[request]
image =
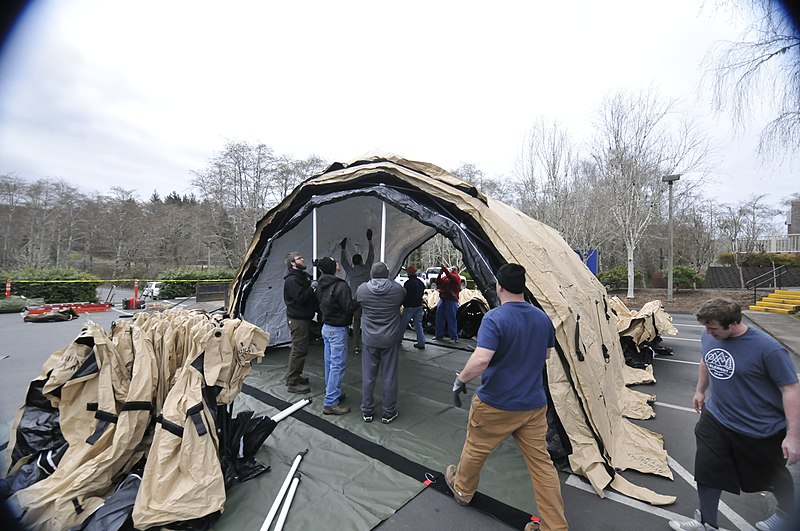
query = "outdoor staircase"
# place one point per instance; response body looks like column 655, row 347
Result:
column 779, row 301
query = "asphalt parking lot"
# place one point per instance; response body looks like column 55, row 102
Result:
column 26, row 346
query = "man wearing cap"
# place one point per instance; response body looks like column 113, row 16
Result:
column 336, row 307
column 380, row 301
column 412, row 306
column 514, row 342
column 357, row 274
column 301, row 305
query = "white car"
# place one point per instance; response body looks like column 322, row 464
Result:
column 432, row 273
column 152, row 290
column 401, row 277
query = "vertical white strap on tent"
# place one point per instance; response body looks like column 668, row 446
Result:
column 383, row 230
column 313, row 242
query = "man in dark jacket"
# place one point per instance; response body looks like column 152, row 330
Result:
column 336, row 307
column 380, row 300
column 449, row 284
column 301, row 305
column 412, row 306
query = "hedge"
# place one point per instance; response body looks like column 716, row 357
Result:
column 53, row 291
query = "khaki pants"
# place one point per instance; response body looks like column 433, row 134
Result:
column 487, row 427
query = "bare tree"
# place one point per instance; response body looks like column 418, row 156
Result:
column 496, row 188
column 561, row 190
column 766, row 60
column 639, row 140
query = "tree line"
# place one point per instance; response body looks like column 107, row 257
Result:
column 606, row 194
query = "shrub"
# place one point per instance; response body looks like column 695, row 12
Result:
column 685, row 277
column 59, row 284
column 181, row 281
column 617, row 278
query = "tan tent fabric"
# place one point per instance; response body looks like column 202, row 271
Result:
column 587, row 385
column 135, row 363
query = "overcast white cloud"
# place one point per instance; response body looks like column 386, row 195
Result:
column 138, row 94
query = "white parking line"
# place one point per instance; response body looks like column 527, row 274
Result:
column 574, row 481
column 730, row 514
column 673, row 406
column 681, row 338
column 692, row 325
column 740, row 523
column 661, row 358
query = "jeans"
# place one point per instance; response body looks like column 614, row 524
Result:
column 416, row 315
column 487, row 427
column 335, row 340
column 446, row 315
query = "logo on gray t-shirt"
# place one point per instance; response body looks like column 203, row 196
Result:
column 720, row 363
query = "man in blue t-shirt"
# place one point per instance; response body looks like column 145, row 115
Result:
column 749, row 427
column 514, row 342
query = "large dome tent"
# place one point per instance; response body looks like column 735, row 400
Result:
column 406, row 203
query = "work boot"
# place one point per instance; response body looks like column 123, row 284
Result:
column 417, row 345
column 692, row 525
column 338, row 409
column 303, row 380
column 450, row 479
column 299, row 388
column 342, row 397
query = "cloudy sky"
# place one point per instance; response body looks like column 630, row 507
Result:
column 138, row 94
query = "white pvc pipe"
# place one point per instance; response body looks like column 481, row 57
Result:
column 313, row 242
column 279, row 498
column 291, row 409
column 287, row 503
column 383, row 231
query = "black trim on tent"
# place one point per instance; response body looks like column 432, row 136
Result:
column 507, row 514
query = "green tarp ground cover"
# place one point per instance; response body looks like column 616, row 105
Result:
column 341, row 486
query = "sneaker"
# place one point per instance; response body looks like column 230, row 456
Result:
column 691, row 525
column 367, row 417
column 437, row 338
column 338, row 409
column 450, row 479
column 453, row 341
column 356, row 351
column 388, row 417
column 774, row 522
column 417, row 345
column 299, row 388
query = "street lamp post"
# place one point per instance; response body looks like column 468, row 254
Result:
column 669, row 179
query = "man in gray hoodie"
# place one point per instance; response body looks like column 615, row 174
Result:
column 380, row 300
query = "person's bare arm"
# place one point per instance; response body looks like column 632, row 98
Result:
column 700, row 391
column 476, row 364
column 791, row 408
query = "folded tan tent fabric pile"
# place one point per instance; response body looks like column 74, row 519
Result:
column 150, row 388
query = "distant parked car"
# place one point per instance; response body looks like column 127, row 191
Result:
column 152, row 290
column 401, row 277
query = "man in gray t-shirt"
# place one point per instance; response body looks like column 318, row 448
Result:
column 749, row 427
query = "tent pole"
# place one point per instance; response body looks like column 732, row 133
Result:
column 314, row 243
column 284, row 487
column 383, row 230
column 287, row 502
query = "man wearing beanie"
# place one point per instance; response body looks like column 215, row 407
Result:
column 412, row 306
column 301, row 305
column 380, row 299
column 336, row 307
column 514, row 342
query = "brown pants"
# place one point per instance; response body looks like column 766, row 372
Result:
column 488, row 427
column 301, row 332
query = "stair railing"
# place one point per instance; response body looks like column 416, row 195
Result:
column 773, row 277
